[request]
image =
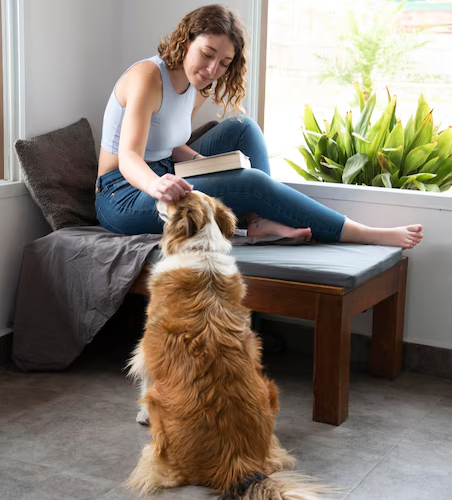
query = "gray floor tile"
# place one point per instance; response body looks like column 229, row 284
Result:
column 26, row 481
column 183, row 493
column 77, row 433
column 414, row 470
column 73, row 435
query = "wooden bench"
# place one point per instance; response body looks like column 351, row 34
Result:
column 332, row 309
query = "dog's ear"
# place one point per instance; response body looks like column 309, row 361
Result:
column 225, row 219
column 194, row 219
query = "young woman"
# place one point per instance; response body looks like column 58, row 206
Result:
column 148, row 121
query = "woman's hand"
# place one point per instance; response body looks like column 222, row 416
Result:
column 168, row 188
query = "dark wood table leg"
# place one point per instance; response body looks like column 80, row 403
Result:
column 332, row 333
column 387, row 331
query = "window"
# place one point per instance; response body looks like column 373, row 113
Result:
column 11, row 82
column 2, row 148
column 307, row 40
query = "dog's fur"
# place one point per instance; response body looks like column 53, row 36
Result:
column 211, row 407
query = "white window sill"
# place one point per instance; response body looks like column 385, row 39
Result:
column 364, row 194
column 11, row 189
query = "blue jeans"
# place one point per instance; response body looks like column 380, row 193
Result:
column 121, row 208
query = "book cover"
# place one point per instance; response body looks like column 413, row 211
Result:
column 211, row 164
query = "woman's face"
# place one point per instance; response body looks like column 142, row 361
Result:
column 207, row 59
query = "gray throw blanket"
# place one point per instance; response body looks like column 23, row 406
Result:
column 72, row 281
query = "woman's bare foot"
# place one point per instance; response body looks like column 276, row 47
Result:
column 405, row 237
column 258, row 226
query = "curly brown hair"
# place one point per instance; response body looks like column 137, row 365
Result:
column 211, row 20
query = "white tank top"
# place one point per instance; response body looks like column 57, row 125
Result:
column 170, row 126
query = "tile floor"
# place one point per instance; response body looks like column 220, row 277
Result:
column 72, row 435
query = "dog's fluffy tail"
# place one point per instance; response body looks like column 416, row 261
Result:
column 280, row 486
column 136, row 365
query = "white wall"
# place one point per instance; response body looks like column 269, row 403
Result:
column 70, row 63
column 20, row 222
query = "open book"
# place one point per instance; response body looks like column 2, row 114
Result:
column 211, row 164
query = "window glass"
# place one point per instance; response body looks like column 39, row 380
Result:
column 315, row 50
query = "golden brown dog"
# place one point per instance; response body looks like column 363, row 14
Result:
column 211, row 407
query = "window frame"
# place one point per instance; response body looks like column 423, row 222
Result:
column 12, row 81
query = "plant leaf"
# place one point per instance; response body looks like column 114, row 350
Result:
column 408, row 132
column 353, row 166
column 395, row 138
column 445, row 142
column 396, row 155
column 419, row 185
column 349, row 149
column 422, row 111
column 431, row 166
column 332, row 149
column 321, row 149
column 395, row 181
column 336, row 123
column 417, row 157
column 366, row 114
column 380, row 134
column 444, row 169
column 332, row 164
column 301, row 171
column 310, row 142
column 381, row 180
column 385, row 163
column 446, row 180
column 359, row 93
column 308, row 158
column 309, row 120
column 423, row 135
column 327, row 177
column 361, row 144
column 408, row 179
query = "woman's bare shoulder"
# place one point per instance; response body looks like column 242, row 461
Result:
column 143, row 77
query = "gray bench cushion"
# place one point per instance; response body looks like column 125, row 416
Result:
column 337, row 264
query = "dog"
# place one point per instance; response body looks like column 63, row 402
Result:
column 211, row 407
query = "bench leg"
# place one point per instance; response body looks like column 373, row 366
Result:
column 387, row 332
column 332, row 333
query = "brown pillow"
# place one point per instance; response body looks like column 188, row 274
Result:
column 60, row 170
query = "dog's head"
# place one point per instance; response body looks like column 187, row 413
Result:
column 196, row 222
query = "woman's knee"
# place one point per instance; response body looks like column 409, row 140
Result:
column 256, row 179
column 242, row 126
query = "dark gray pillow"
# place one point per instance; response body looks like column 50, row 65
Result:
column 60, row 170
column 201, row 130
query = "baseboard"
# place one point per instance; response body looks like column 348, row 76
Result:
column 295, row 337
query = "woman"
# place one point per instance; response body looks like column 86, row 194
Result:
column 148, row 121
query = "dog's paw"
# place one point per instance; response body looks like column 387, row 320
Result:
column 143, row 417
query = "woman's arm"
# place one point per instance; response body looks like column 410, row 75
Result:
column 142, row 93
column 185, row 153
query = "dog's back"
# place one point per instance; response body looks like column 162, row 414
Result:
column 208, row 390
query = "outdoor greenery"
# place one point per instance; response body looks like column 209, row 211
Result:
column 386, row 154
column 371, row 45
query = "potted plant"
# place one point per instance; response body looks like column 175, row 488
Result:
column 386, row 154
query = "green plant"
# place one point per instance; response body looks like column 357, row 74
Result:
column 371, row 45
column 386, row 154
